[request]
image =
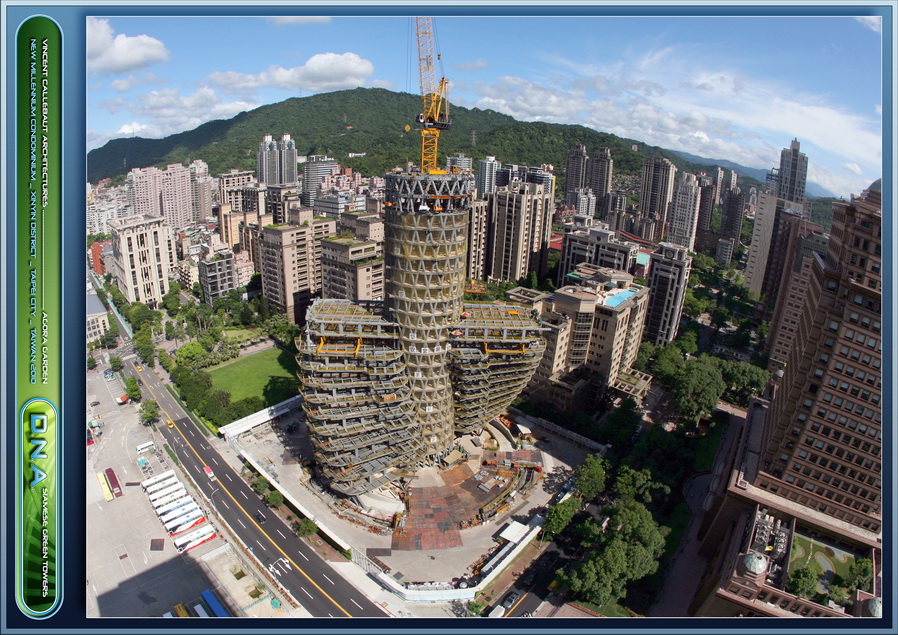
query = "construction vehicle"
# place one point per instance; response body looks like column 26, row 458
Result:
column 435, row 107
column 121, row 400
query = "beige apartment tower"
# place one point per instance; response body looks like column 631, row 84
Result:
column 143, row 257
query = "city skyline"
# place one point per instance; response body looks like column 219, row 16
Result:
column 712, row 86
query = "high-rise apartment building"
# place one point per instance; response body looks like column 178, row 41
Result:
column 479, row 240
column 217, row 276
column 594, row 243
column 792, row 176
column 576, row 170
column 290, row 262
column 276, row 161
column 486, row 176
column 352, row 269
column 521, row 216
column 733, row 214
column 143, row 257
column 583, row 201
column 230, row 188
column 807, row 473
column 313, row 172
column 718, row 185
column 177, row 196
column 682, row 217
column 601, row 172
column 201, row 190
column 459, row 161
column 144, row 187
column 510, row 173
column 810, row 239
column 658, row 177
column 668, row 275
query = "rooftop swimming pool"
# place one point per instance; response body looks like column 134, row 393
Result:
column 620, row 297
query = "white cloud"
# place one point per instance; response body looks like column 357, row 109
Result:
column 853, row 167
column 382, row 83
column 108, row 53
column 872, row 22
column 133, row 128
column 471, row 66
column 321, row 73
column 125, row 84
column 299, row 19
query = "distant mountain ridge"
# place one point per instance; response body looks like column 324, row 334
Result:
column 373, row 121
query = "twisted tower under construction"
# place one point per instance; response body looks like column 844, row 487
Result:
column 387, row 385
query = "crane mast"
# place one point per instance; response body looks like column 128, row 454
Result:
column 435, row 107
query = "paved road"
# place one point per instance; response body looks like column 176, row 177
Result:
column 296, row 565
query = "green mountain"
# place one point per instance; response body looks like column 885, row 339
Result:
column 370, row 120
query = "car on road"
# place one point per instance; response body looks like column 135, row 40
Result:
column 529, row 578
column 510, row 599
column 170, row 423
column 139, row 382
column 94, row 403
column 139, row 369
column 260, row 517
column 209, row 472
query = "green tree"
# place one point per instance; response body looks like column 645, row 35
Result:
column 191, row 355
column 668, row 362
column 115, row 363
column 687, row 342
column 91, row 362
column 559, row 516
column 132, row 389
column 840, row 595
column 149, row 412
column 260, row 485
column 274, row 498
column 139, row 314
column 692, row 306
column 305, row 527
column 143, row 345
column 589, row 478
column 476, row 608
column 721, row 316
column 165, row 360
column 647, row 351
column 108, row 340
column 802, row 582
column 697, row 389
column 637, row 485
column 860, row 574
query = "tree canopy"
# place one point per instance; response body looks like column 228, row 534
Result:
column 589, row 478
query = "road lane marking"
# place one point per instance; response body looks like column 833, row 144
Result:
column 229, row 477
column 328, row 579
column 280, row 534
column 303, row 555
column 310, row 595
column 226, row 491
column 261, row 545
column 214, row 461
column 244, row 495
column 241, row 523
column 356, row 603
column 225, row 503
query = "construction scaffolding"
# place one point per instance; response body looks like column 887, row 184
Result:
column 387, row 386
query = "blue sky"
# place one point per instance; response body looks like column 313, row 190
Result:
column 727, row 88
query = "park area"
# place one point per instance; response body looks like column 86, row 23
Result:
column 269, row 374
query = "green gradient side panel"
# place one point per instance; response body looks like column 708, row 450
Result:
column 38, row 349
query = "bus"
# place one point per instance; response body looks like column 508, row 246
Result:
column 181, row 610
column 178, row 502
column 200, row 610
column 188, row 524
column 195, row 538
column 155, row 487
column 112, row 479
column 157, row 479
column 170, row 498
column 165, row 492
column 180, row 517
column 107, row 493
column 188, row 506
column 149, row 446
column 213, row 604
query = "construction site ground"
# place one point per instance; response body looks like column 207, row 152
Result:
column 440, row 552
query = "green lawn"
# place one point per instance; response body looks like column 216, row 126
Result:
column 240, row 334
column 706, row 448
column 805, row 552
column 270, row 374
column 677, row 522
column 609, row 609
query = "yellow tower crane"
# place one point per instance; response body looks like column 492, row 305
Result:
column 435, row 106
